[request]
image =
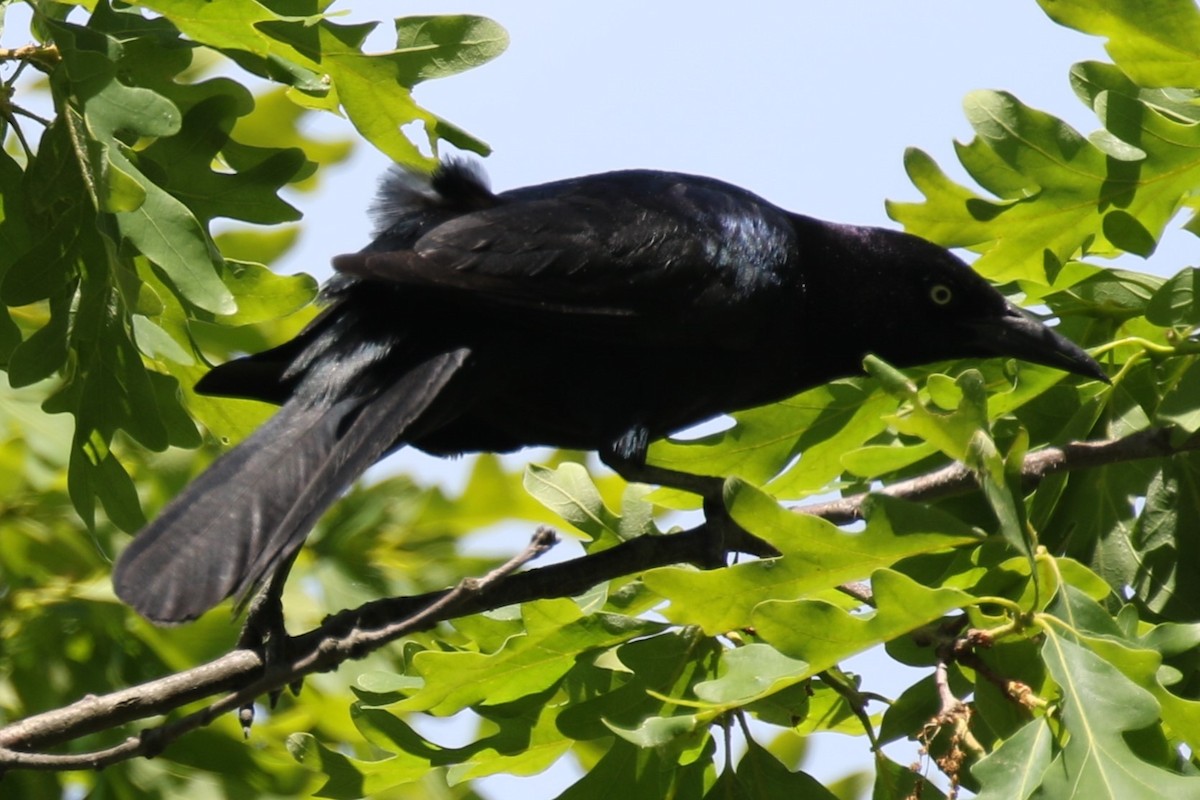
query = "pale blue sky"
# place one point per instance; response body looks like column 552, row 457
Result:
column 809, row 104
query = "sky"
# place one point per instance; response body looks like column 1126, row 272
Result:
column 810, row 105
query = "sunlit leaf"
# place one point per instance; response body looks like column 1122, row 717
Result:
column 1071, row 187
column 1098, row 705
column 816, row 556
column 1156, row 43
column 823, row 634
column 530, row 662
column 1014, row 770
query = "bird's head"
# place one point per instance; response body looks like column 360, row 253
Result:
column 914, row 302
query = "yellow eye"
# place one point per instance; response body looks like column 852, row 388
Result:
column 941, row 294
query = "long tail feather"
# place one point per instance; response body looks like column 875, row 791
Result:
column 253, row 507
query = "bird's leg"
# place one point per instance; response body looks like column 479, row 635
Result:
column 627, row 456
column 264, row 632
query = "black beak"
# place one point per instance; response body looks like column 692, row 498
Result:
column 1018, row 334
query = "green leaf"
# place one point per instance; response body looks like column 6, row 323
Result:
column 154, row 342
column 1024, row 386
column 1177, row 302
column 556, row 630
column 955, row 433
column 897, row 782
column 1169, row 554
column 876, row 460
column 437, row 47
column 1170, row 638
column 112, row 484
column 1156, row 42
column 1111, row 293
column 819, row 424
column 809, row 707
column 54, row 207
column 816, row 556
column 165, row 231
column 912, row 710
column 109, row 105
column 1128, row 234
column 255, row 246
column 1069, row 187
column 262, row 295
column 569, row 492
column 519, row 747
column 644, row 774
column 159, row 225
column 1180, row 406
column 277, row 122
column 1139, row 660
column 14, row 239
column 750, row 672
column 626, row 686
column 1099, row 704
column 823, row 634
column 963, row 435
column 351, row 777
column 46, row 349
column 372, row 89
column 1093, row 520
column 184, row 166
column 522, row 740
column 661, row 731
column 1014, row 770
column 760, row 775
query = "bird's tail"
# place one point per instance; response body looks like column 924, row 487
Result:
column 250, row 511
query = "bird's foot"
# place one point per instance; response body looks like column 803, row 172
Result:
column 627, row 455
column 264, row 632
column 727, row 536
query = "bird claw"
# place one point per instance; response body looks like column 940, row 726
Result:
column 246, row 718
column 627, row 455
column 727, row 536
column 264, row 632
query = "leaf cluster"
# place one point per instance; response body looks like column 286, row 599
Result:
column 114, row 279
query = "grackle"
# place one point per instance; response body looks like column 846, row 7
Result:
column 596, row 313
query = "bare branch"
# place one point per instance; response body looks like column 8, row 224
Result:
column 322, row 654
column 956, row 479
column 41, row 56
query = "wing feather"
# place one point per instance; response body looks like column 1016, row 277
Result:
column 596, row 248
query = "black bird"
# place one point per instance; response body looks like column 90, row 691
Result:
column 596, row 313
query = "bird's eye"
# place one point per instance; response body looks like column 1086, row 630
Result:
column 941, row 294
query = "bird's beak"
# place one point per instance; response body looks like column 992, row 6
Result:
column 1018, row 334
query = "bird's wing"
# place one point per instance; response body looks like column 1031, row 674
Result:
column 245, row 515
column 621, row 246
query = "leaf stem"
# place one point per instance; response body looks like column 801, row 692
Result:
column 1154, row 348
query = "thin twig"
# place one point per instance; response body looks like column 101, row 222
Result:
column 26, row 113
column 41, row 56
column 857, row 702
column 956, row 479
column 1016, row 691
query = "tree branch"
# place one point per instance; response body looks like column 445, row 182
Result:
column 956, row 479
column 351, row 634
column 320, row 654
